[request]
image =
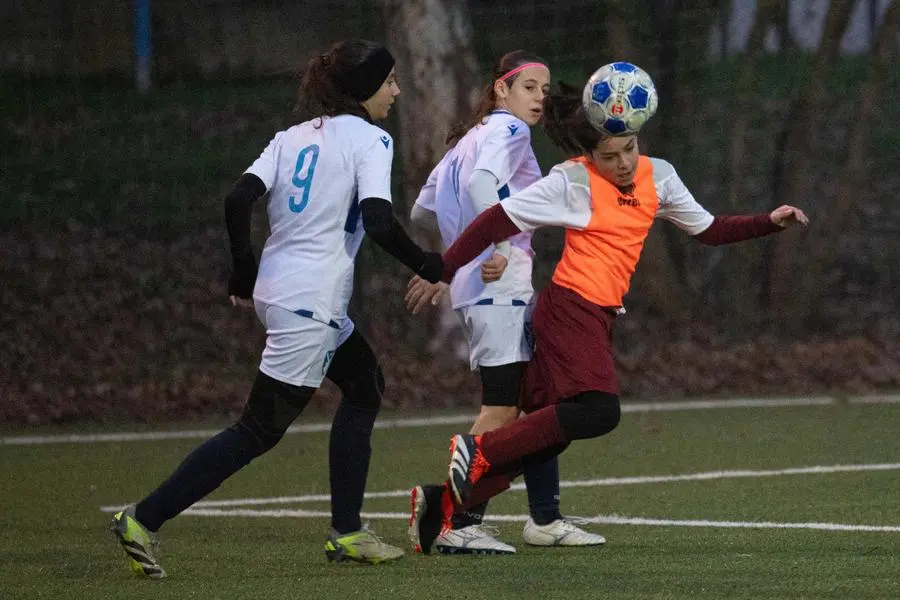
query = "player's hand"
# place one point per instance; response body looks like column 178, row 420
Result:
column 492, row 269
column 242, row 281
column 420, row 293
column 788, row 216
column 242, row 302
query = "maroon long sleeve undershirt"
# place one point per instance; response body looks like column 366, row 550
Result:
column 490, row 227
column 728, row 229
column 493, row 225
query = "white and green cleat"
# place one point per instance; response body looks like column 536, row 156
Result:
column 361, row 546
column 140, row 545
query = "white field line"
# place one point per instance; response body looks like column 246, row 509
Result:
column 610, row 481
column 600, row 519
column 628, row 407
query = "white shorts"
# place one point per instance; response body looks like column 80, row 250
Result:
column 497, row 334
column 299, row 349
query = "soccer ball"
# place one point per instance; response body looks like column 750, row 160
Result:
column 619, row 98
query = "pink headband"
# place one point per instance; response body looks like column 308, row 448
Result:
column 521, row 68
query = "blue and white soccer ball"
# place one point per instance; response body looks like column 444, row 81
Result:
column 619, row 98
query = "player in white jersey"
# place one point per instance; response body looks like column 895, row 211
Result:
column 327, row 182
column 490, row 158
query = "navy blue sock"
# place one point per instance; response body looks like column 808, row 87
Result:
column 201, row 472
column 542, row 485
column 474, row 515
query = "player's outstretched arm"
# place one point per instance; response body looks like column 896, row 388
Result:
column 490, row 227
column 728, row 229
column 384, row 229
column 238, row 211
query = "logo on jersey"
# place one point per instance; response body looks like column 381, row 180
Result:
column 325, row 363
column 628, row 201
column 513, row 129
column 385, row 140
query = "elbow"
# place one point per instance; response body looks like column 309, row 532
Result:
column 377, row 217
column 705, row 239
column 377, row 230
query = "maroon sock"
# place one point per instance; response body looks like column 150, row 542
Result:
column 532, row 433
column 487, row 487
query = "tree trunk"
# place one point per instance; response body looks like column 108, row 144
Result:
column 437, row 72
column 737, row 275
column 795, row 175
column 663, row 275
column 846, row 192
column 656, row 283
column 781, row 21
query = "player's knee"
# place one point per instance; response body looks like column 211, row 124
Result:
column 365, row 389
column 589, row 415
column 257, row 436
column 494, row 417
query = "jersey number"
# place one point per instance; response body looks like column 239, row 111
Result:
column 454, row 176
column 303, row 182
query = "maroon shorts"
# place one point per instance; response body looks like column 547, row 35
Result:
column 573, row 349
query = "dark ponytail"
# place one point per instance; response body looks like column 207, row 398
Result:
column 320, row 94
column 566, row 124
column 488, row 99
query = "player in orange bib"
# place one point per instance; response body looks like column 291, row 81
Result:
column 606, row 199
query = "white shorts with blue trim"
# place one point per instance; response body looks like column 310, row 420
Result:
column 299, row 348
column 497, row 334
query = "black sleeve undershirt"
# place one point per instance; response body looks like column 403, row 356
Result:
column 384, row 229
column 238, row 210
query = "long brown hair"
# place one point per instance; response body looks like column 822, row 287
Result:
column 566, row 123
column 488, row 101
column 319, row 95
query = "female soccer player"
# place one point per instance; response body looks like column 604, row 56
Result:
column 606, row 199
column 314, row 173
column 490, row 158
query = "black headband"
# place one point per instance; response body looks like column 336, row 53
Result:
column 363, row 81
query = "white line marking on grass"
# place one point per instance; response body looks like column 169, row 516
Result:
column 875, row 400
column 599, row 519
column 622, row 520
column 735, row 474
column 628, row 407
column 609, row 481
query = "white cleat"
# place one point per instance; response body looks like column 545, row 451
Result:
column 474, row 539
column 561, row 532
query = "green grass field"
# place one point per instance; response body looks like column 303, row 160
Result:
column 54, row 542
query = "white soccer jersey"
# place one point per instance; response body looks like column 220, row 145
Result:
column 316, row 173
column 500, row 145
column 563, row 199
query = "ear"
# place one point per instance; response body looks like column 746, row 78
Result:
column 501, row 89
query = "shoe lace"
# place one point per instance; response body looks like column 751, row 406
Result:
column 574, row 521
column 374, row 536
column 490, row 530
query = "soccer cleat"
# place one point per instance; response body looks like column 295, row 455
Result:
column 474, row 539
column 140, row 545
column 432, row 509
column 361, row 546
column 467, row 464
column 561, row 532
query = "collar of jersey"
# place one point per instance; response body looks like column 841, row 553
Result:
column 500, row 112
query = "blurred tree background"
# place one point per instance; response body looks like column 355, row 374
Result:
column 114, row 257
